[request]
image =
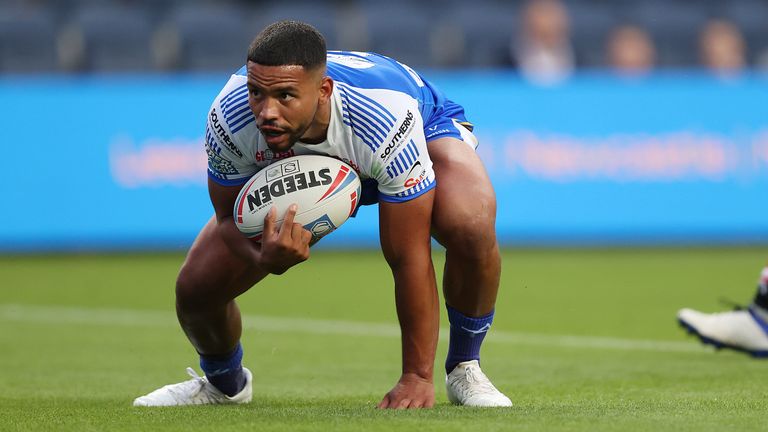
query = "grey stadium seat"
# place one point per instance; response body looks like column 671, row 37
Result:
column 115, row 39
column 27, row 40
column 210, row 37
column 399, row 31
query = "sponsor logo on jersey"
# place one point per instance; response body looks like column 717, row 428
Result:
column 415, row 175
column 222, row 134
column 288, row 183
column 218, row 164
column 437, row 132
column 403, row 131
column 349, row 60
column 269, row 155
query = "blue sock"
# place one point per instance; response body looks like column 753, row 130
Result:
column 467, row 335
column 225, row 372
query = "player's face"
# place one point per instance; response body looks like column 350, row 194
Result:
column 285, row 101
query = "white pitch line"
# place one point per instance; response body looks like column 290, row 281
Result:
column 63, row 315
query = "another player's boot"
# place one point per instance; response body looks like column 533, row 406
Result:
column 742, row 330
column 197, row 391
column 467, row 385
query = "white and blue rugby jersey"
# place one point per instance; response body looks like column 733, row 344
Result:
column 378, row 111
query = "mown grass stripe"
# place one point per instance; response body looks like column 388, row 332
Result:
column 62, row 315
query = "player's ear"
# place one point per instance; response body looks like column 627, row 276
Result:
column 326, row 88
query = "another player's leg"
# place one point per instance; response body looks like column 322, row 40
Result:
column 464, row 218
column 208, row 283
column 742, row 329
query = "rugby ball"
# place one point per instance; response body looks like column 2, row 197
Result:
column 325, row 189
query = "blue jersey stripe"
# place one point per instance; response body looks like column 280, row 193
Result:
column 373, row 128
column 234, row 94
column 244, row 124
column 404, row 160
column 420, row 189
column 360, row 132
column 383, row 118
column 238, row 116
column 416, row 189
column 226, row 182
column 376, row 104
column 236, row 104
column 372, row 122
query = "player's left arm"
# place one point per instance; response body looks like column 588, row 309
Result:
column 406, row 243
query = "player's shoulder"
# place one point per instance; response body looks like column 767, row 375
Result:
column 230, row 108
column 373, row 71
column 231, row 130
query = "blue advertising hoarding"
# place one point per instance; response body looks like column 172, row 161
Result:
column 118, row 162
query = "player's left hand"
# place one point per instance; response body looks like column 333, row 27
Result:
column 412, row 391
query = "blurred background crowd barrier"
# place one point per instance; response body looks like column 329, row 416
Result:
column 601, row 122
column 540, row 37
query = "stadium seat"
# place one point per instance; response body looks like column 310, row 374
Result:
column 114, row 38
column 27, row 40
column 208, row 37
column 751, row 17
column 399, row 30
column 591, row 23
column 488, row 29
column 674, row 27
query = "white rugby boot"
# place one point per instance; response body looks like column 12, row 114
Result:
column 467, row 385
column 197, row 391
column 742, row 330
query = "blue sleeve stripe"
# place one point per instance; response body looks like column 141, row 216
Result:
column 383, row 118
column 233, row 94
column 380, row 116
column 239, row 116
column 235, row 104
column 409, row 194
column 404, row 159
column 359, row 131
column 211, row 141
column 226, row 182
column 372, row 127
column 412, row 150
column 244, row 124
column 372, row 122
column 373, row 102
column 418, row 189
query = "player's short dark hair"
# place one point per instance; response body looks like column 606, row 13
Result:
column 288, row 43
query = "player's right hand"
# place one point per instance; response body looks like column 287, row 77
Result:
column 411, row 391
column 285, row 247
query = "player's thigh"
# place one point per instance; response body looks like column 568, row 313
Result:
column 465, row 203
column 212, row 273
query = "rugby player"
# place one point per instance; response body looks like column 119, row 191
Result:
column 414, row 150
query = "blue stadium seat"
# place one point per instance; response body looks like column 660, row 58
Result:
column 398, row 30
column 751, row 16
column 116, row 38
column 674, row 27
column 211, row 37
column 488, row 29
column 591, row 23
column 27, row 40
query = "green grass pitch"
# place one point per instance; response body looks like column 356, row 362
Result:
column 584, row 340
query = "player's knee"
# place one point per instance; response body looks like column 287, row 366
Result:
column 191, row 291
column 470, row 232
